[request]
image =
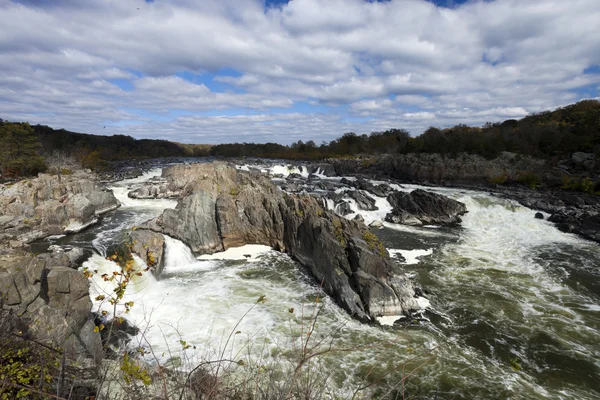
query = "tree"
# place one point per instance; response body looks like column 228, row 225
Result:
column 60, row 163
column 19, row 153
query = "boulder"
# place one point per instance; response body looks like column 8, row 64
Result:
column 52, row 301
column 363, row 200
column 150, row 247
column 193, row 222
column 539, row 215
column 420, row 207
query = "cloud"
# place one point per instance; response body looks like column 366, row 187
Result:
column 164, row 68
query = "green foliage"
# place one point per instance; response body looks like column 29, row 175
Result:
column 234, row 191
column 24, row 365
column 19, row 152
column 132, row 371
column 373, row 242
column 339, row 231
column 498, row 179
column 585, row 185
column 530, row 179
column 299, row 213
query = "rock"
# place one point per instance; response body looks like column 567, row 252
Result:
column 43, row 206
column 241, row 208
column 193, row 222
column 155, row 190
column 359, row 218
column 343, row 208
column 539, row 215
column 322, row 169
column 52, row 301
column 150, row 247
column 579, row 158
column 421, row 207
column 376, row 224
column 363, row 201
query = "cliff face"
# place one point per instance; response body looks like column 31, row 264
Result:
column 227, row 208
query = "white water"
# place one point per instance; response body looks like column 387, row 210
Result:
column 491, row 271
column 249, row 252
column 286, row 170
column 132, row 212
column 410, row 256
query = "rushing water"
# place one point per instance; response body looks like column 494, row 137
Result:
column 514, row 304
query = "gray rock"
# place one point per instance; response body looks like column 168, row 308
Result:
column 421, row 207
column 579, row 158
column 193, row 222
column 345, row 258
column 539, row 215
column 363, row 201
column 36, row 208
column 52, row 301
column 150, row 247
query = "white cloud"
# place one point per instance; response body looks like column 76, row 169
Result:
column 404, row 64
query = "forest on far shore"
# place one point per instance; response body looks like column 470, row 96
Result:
column 549, row 135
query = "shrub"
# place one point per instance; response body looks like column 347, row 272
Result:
column 373, row 242
column 498, row 179
column 530, row 179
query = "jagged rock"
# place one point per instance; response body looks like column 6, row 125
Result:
column 244, row 208
column 44, row 206
column 52, row 301
column 322, row 169
column 155, row 190
column 584, row 160
column 421, row 207
column 363, row 201
column 150, row 247
column 193, row 222
column 343, row 208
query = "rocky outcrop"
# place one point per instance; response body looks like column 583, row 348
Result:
column 572, row 212
column 363, row 201
column 228, row 208
column 52, row 299
column 150, row 247
column 193, row 222
column 46, row 205
column 435, row 168
column 420, row 207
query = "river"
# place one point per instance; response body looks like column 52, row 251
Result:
column 513, row 311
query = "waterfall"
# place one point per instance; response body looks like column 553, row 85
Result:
column 177, row 254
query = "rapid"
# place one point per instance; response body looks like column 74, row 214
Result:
column 513, row 308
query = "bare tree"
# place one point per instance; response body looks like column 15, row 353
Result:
column 61, row 162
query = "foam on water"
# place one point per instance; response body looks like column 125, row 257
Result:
column 286, row 170
column 177, row 254
column 491, row 272
column 411, row 256
column 249, row 252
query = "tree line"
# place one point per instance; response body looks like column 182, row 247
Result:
column 549, row 135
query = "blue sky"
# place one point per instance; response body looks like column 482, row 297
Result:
column 217, row 71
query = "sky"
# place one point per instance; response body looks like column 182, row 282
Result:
column 221, row 71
